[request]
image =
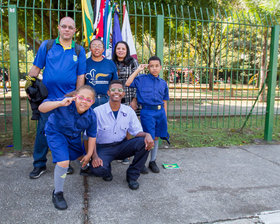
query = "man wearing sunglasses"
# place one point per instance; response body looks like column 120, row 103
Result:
column 114, row 120
column 64, row 71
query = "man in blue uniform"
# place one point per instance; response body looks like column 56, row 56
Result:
column 64, row 72
column 99, row 72
column 152, row 94
column 114, row 120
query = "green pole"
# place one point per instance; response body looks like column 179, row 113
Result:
column 271, row 84
column 159, row 43
column 14, row 72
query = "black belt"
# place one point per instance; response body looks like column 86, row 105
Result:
column 152, row 107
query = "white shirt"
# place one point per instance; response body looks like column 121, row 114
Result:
column 111, row 129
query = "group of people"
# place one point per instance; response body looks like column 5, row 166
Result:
column 89, row 114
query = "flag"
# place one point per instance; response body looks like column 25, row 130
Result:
column 108, row 35
column 99, row 28
column 105, row 19
column 126, row 33
column 97, row 4
column 117, row 36
column 87, row 14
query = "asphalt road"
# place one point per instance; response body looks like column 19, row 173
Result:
column 236, row 185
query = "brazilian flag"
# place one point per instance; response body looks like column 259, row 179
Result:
column 87, row 13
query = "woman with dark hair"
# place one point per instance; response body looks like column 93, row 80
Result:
column 126, row 65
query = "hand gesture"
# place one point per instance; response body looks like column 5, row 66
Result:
column 84, row 161
column 149, row 142
column 66, row 101
column 141, row 67
column 96, row 161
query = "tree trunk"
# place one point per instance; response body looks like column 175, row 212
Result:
column 211, row 86
column 263, row 70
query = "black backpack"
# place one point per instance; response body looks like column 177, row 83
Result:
column 51, row 42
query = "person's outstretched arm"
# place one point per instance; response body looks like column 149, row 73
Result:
column 51, row 105
column 91, row 148
column 135, row 73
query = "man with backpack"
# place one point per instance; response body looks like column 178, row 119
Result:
column 65, row 67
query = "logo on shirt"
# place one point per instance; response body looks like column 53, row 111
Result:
column 75, row 58
column 92, row 77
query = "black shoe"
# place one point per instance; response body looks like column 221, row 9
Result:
column 37, row 172
column 133, row 184
column 144, row 170
column 108, row 178
column 70, row 170
column 153, row 166
column 59, row 201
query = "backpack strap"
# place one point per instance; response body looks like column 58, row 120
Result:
column 50, row 44
column 77, row 49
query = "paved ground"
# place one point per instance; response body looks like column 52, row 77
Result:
column 236, row 185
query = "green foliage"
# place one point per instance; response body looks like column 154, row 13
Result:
column 26, row 56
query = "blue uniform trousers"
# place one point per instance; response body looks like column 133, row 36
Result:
column 119, row 151
column 41, row 146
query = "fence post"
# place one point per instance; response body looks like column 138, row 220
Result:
column 14, row 73
column 159, row 43
column 272, row 75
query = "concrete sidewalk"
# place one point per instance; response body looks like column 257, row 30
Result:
column 236, row 185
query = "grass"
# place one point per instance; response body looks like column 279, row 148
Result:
column 189, row 135
column 193, row 132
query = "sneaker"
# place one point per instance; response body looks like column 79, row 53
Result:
column 59, row 201
column 153, row 166
column 108, row 178
column 70, row 170
column 144, row 170
column 125, row 161
column 133, row 184
column 37, row 172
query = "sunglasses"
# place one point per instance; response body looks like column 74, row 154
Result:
column 120, row 90
column 82, row 98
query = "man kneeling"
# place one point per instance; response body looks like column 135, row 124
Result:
column 114, row 120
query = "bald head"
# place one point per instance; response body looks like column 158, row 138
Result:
column 66, row 29
column 67, row 18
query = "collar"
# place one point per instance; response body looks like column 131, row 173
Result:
column 57, row 42
column 122, row 109
column 153, row 76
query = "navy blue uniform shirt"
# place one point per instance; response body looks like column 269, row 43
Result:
column 151, row 90
column 69, row 122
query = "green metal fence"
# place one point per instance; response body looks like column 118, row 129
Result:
column 215, row 62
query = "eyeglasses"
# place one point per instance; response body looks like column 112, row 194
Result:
column 65, row 27
column 120, row 90
column 85, row 99
column 100, row 46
